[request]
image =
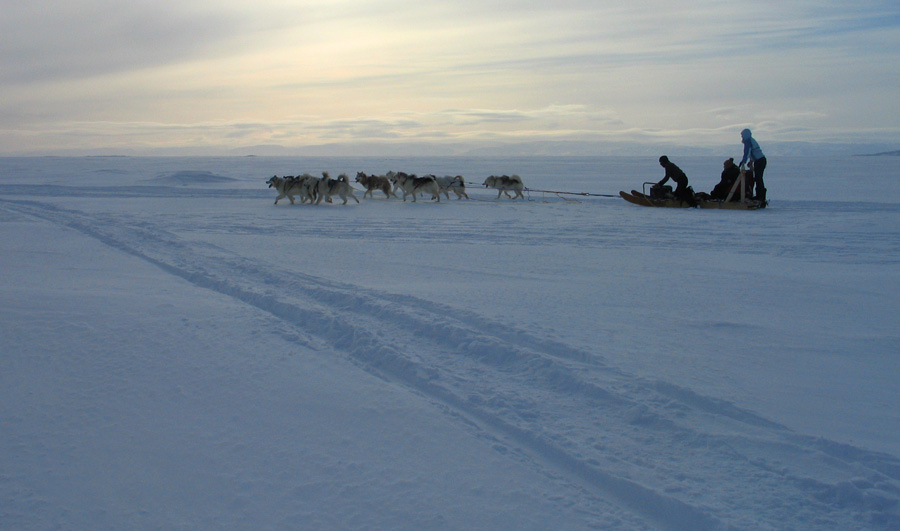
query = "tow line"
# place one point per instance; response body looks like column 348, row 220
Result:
column 561, row 194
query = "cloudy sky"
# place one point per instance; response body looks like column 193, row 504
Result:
column 221, row 74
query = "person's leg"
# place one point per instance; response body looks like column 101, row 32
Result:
column 759, row 167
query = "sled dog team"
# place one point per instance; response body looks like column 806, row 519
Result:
column 314, row 189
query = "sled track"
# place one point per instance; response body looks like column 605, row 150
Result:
column 645, row 445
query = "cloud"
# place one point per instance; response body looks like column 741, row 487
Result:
column 225, row 72
column 84, row 38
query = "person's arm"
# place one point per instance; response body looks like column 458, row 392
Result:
column 664, row 179
column 746, row 153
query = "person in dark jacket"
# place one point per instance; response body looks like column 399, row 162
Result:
column 682, row 192
column 729, row 175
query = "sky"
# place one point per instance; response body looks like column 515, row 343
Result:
column 444, row 77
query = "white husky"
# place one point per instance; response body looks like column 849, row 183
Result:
column 505, row 183
column 455, row 184
column 412, row 185
column 292, row 186
column 308, row 185
column 327, row 187
column 375, row 182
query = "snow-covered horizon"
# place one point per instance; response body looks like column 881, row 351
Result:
column 180, row 353
column 431, row 150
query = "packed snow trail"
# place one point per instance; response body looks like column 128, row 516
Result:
column 674, row 458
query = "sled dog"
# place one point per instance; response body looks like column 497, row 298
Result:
column 455, row 184
column 412, row 185
column 291, row 186
column 505, row 183
column 307, row 184
column 326, row 187
column 375, row 182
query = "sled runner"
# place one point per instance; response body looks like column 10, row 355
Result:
column 746, row 204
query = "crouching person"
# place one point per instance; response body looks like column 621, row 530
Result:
column 683, row 192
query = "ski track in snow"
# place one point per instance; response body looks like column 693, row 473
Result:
column 563, row 410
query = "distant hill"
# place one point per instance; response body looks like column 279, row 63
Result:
column 186, row 178
column 884, row 154
column 483, row 148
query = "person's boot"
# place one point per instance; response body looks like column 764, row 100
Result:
column 761, row 197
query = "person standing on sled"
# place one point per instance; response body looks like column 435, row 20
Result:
column 757, row 159
column 682, row 192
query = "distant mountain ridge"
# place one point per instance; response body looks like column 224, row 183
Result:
column 884, row 154
column 420, row 148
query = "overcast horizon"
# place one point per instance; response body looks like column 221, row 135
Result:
column 441, row 77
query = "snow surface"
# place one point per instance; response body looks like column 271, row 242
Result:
column 180, row 353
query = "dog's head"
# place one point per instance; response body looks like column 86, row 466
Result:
column 273, row 181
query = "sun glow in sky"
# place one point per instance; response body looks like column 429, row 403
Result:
column 150, row 75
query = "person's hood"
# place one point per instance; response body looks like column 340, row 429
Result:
column 745, row 134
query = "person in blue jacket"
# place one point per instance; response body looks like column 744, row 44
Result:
column 754, row 154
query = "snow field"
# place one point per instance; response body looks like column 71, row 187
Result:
column 182, row 353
